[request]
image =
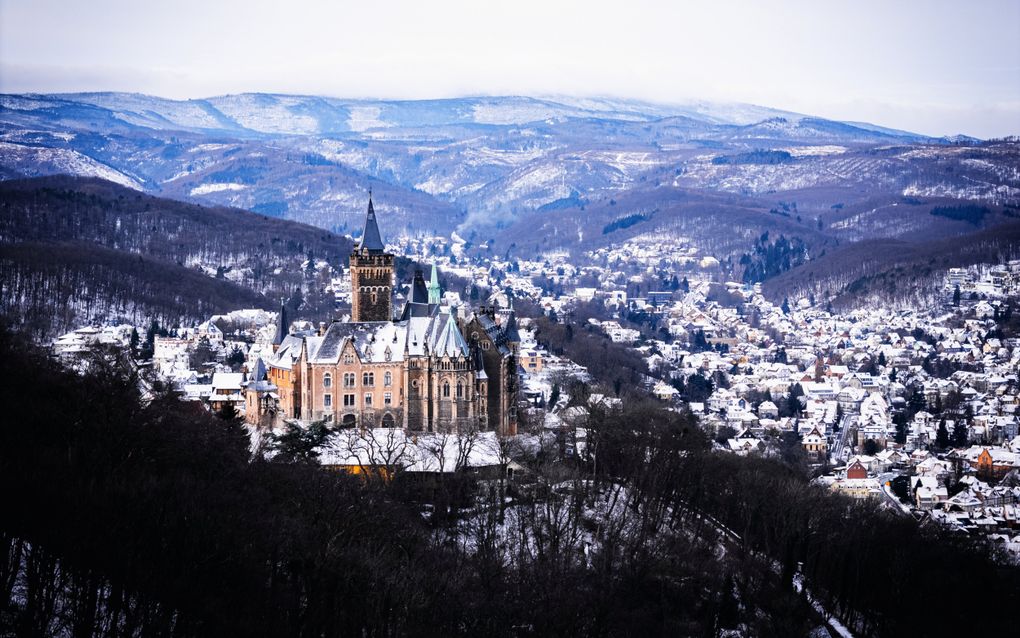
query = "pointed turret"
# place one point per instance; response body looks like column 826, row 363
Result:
column 435, row 292
column 371, row 239
column 282, row 325
column 510, row 329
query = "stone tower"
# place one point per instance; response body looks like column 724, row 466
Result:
column 371, row 275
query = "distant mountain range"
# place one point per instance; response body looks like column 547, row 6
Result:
column 538, row 174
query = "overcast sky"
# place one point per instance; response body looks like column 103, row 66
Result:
column 935, row 67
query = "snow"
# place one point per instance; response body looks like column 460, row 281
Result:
column 363, row 118
column 205, row 189
column 151, row 112
column 34, row 160
column 815, row 151
column 267, row 113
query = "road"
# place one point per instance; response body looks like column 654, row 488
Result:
column 839, row 447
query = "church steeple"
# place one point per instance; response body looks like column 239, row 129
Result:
column 435, row 292
column 371, row 239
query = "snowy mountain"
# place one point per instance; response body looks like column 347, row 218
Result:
column 482, row 164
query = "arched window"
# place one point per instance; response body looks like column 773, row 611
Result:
column 388, row 379
column 460, row 390
column 446, row 389
column 327, row 380
column 387, row 420
column 368, row 379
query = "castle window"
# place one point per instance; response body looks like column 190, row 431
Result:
column 460, row 390
column 387, row 398
column 485, row 345
column 348, row 359
column 348, row 400
column 368, row 400
column 375, row 298
column 327, row 380
column 387, row 420
column 368, row 379
column 349, row 379
column 327, row 400
column 446, row 389
column 388, row 379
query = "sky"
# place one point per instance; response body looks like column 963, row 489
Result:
column 934, row 67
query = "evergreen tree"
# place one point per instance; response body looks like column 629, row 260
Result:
column 554, row 396
column 960, row 434
column 299, row 445
column 786, row 306
column 236, row 358
column 956, row 295
column 942, row 435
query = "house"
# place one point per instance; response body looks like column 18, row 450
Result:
column 858, row 488
column 816, row 445
column 227, row 387
column 928, row 492
column 856, row 470
column 768, row 410
column 664, row 392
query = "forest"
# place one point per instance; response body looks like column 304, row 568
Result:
column 132, row 515
column 78, row 250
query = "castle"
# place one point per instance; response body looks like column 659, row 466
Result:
column 432, row 368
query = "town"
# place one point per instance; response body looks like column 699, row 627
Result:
column 917, row 409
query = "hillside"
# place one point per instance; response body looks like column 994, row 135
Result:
column 893, row 271
column 78, row 250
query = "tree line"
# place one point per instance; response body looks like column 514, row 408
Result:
column 148, row 516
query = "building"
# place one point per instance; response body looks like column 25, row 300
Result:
column 815, row 444
column 433, row 368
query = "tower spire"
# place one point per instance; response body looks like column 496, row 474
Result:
column 371, row 239
column 435, row 292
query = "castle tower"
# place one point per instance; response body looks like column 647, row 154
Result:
column 371, row 275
